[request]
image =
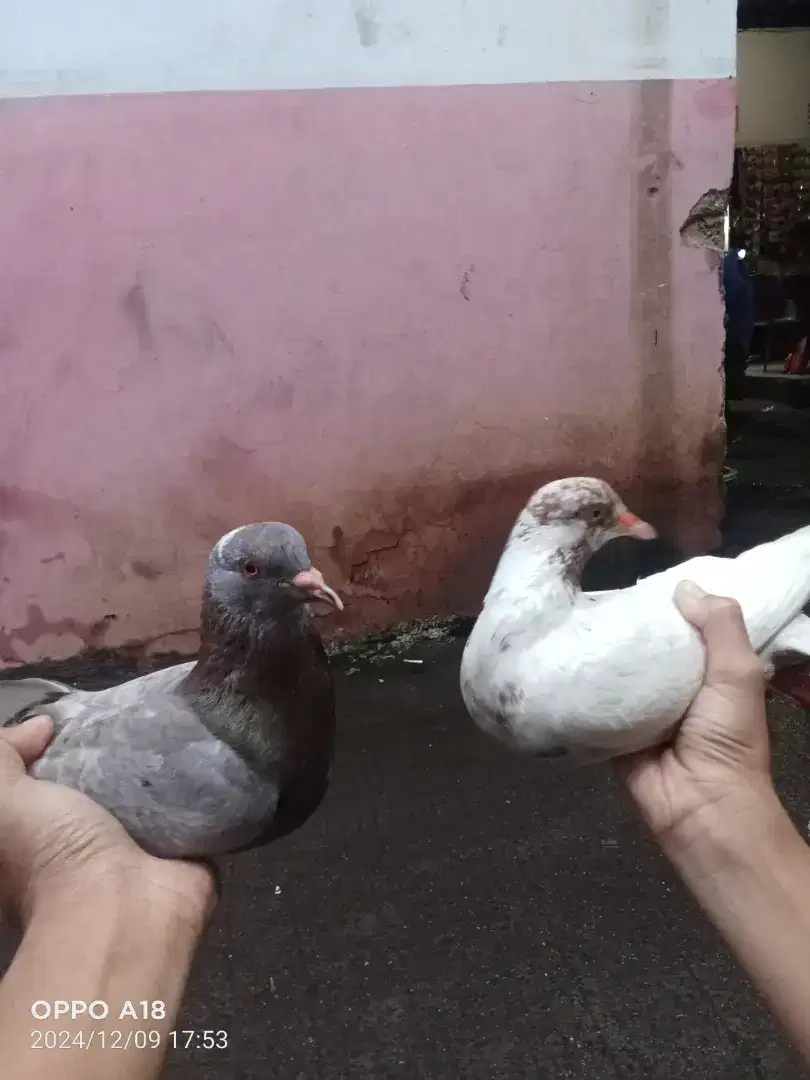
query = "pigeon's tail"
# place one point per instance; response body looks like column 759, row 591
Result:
column 792, row 640
column 20, row 698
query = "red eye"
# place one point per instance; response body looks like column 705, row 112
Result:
column 250, row 570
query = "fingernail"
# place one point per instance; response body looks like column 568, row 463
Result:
column 690, row 590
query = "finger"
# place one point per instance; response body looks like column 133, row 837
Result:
column 29, row 740
column 719, row 620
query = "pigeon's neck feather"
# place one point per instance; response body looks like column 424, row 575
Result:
column 550, row 557
column 246, row 680
column 536, row 582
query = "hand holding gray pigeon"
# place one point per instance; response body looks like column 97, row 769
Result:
column 222, row 754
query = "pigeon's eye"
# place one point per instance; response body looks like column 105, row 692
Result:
column 251, row 570
column 596, row 513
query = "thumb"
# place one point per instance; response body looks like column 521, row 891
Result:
column 22, row 744
column 719, row 621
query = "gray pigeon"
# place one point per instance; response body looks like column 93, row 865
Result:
column 222, row 754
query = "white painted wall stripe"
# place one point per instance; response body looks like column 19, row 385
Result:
column 52, row 47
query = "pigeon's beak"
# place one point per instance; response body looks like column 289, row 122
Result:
column 311, row 581
column 629, row 525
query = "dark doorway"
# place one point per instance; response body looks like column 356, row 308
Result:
column 766, row 271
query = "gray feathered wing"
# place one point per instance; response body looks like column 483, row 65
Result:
column 140, row 750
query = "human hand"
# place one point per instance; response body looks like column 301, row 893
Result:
column 718, row 765
column 55, row 841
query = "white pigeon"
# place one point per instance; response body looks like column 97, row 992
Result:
column 558, row 672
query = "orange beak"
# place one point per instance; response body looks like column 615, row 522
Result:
column 630, row 525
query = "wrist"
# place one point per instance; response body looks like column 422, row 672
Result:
column 125, row 935
column 748, row 868
column 728, row 832
column 147, row 890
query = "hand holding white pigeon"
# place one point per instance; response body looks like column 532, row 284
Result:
column 558, row 672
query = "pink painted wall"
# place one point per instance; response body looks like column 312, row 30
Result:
column 382, row 315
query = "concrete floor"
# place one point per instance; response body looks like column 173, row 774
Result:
column 457, row 909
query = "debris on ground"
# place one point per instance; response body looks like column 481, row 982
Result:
column 384, row 646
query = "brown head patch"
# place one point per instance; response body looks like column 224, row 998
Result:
column 576, row 498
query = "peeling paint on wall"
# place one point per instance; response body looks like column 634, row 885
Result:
column 704, row 226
